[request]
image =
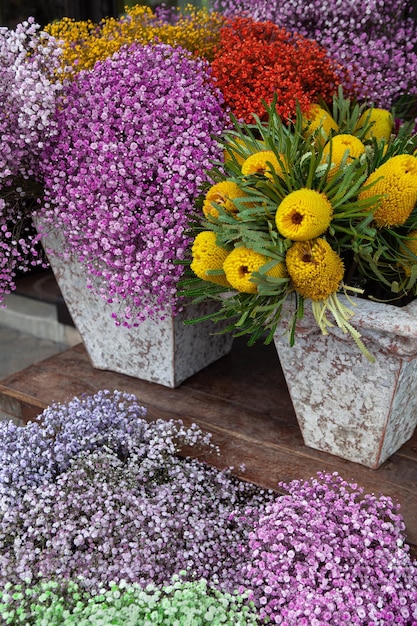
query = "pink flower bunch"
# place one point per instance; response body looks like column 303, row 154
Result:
column 326, row 553
column 29, row 60
column 135, row 135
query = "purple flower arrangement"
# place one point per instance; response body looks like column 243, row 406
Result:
column 135, row 136
column 29, row 62
column 102, row 518
column 373, row 39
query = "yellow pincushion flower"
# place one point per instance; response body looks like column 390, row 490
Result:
column 240, row 142
column 409, row 249
column 338, row 146
column 316, row 117
column 222, row 193
column 304, row 214
column 260, row 163
column 240, row 265
column 382, row 123
column 398, row 185
column 315, row 269
column 207, row 255
column 278, row 271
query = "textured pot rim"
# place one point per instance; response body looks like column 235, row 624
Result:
column 391, row 328
column 383, row 316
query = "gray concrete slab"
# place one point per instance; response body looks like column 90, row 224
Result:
column 19, row 349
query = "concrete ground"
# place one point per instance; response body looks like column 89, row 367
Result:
column 30, row 332
column 20, row 349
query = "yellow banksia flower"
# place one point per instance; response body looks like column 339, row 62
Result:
column 239, row 141
column 240, row 265
column 398, row 185
column 338, row 146
column 278, row 271
column 382, row 123
column 409, row 249
column 315, row 269
column 304, row 214
column 222, row 193
column 318, row 117
column 207, row 255
column 260, row 163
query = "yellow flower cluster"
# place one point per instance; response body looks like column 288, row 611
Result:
column 207, row 256
column 264, row 162
column 318, row 118
column 76, row 36
column 382, row 123
column 396, row 181
column 85, row 43
column 223, row 193
column 240, row 265
column 315, row 269
column 237, row 266
column 303, row 214
column 342, row 149
column 238, row 144
column 296, row 203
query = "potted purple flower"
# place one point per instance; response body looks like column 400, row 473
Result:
column 134, row 138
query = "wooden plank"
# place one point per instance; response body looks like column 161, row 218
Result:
column 242, row 399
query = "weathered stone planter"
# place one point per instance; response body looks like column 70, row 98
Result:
column 165, row 352
column 345, row 405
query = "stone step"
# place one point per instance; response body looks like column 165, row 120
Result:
column 38, row 309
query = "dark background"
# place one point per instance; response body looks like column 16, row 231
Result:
column 44, row 11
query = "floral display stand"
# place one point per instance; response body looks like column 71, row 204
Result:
column 345, row 405
column 165, row 351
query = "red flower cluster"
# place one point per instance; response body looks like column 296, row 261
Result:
column 257, row 59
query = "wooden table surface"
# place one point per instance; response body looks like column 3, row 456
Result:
column 242, row 399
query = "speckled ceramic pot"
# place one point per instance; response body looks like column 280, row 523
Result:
column 165, row 352
column 345, row 405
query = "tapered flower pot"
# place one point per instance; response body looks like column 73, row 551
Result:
column 165, row 351
column 345, row 405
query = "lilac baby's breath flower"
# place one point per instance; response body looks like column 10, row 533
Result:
column 135, row 135
column 93, row 492
column 41, row 451
column 108, row 519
